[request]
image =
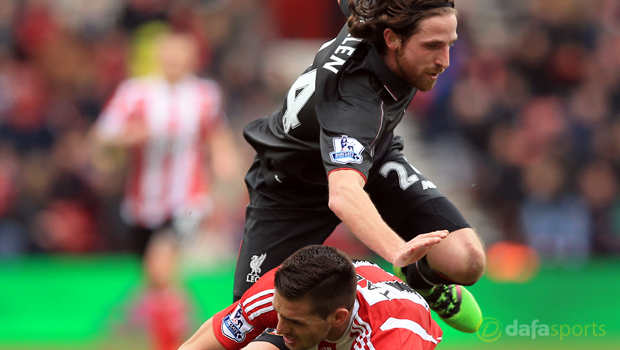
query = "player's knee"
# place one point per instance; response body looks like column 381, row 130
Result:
column 471, row 260
column 474, row 269
column 462, row 260
column 472, row 266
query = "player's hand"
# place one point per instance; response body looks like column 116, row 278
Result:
column 416, row 248
column 136, row 133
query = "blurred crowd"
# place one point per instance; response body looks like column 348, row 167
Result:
column 525, row 123
column 531, row 119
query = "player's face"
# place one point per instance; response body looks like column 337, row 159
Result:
column 426, row 54
column 301, row 328
column 177, row 55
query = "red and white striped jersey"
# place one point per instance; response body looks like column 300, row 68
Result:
column 388, row 315
column 167, row 173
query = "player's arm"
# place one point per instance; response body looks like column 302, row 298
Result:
column 121, row 123
column 223, row 153
column 135, row 133
column 261, row 345
column 219, row 141
column 224, row 164
column 203, row 339
column 239, row 324
column 349, row 201
column 107, row 151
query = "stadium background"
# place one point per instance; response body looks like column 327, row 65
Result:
column 523, row 131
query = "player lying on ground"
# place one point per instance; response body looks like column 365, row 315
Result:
column 319, row 299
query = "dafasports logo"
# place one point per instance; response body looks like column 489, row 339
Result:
column 490, row 329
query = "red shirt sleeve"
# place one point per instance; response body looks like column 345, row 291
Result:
column 126, row 104
column 212, row 113
column 243, row 321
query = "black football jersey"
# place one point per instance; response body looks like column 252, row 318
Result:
column 339, row 113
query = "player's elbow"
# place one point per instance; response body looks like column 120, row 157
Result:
column 344, row 189
column 335, row 202
column 190, row 345
column 340, row 194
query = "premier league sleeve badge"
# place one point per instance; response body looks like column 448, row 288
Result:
column 346, row 150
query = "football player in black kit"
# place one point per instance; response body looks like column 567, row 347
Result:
column 330, row 156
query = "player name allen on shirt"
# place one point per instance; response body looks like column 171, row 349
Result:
column 341, row 50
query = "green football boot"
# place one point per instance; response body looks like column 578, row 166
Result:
column 454, row 304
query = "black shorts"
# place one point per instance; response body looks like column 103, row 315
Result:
column 270, row 336
column 141, row 236
column 279, row 222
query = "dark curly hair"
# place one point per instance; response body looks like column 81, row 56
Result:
column 370, row 18
column 323, row 275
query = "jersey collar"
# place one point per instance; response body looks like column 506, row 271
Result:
column 396, row 86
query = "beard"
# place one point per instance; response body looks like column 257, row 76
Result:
column 418, row 79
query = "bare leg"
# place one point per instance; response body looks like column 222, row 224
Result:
column 459, row 257
column 166, row 305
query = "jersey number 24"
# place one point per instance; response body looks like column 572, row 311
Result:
column 305, row 85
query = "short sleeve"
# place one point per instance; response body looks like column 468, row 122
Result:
column 212, row 113
column 246, row 319
column 123, row 105
column 350, row 128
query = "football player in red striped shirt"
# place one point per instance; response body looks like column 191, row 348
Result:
column 319, row 299
column 173, row 127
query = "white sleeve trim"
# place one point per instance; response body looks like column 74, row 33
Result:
column 260, row 312
column 257, row 304
column 413, row 326
column 257, row 295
